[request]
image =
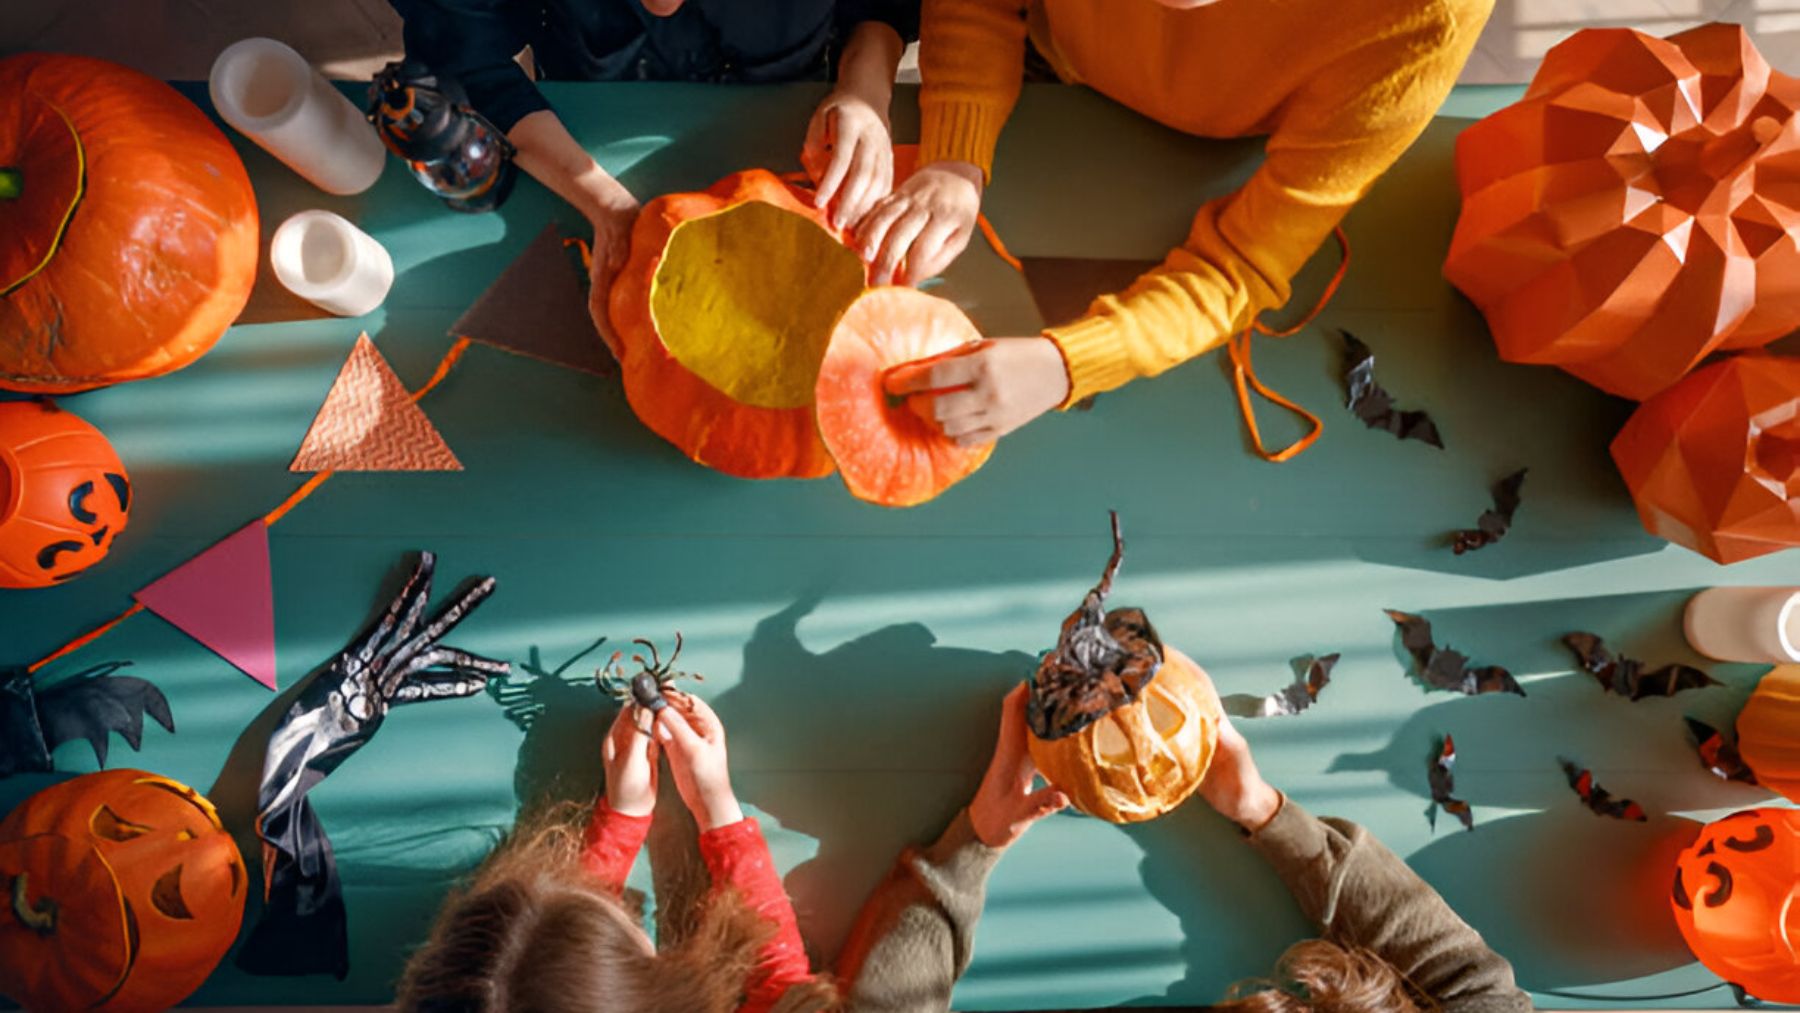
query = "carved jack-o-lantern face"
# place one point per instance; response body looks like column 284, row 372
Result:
column 64, row 496
column 1737, row 901
column 123, row 892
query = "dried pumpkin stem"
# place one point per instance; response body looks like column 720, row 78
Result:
column 12, row 184
column 39, row 918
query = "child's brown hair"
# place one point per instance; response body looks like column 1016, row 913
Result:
column 1319, row 976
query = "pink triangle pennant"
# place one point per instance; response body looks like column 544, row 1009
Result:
column 224, row 598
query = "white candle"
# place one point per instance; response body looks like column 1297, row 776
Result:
column 1751, row 624
column 275, row 98
column 331, row 263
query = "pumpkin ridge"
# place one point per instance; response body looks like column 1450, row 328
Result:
column 62, row 228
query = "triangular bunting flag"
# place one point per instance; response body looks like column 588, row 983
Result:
column 370, row 423
column 224, row 599
column 538, row 307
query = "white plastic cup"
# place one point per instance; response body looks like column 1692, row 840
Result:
column 274, row 97
column 331, row 263
column 1751, row 624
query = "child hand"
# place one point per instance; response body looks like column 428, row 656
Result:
column 982, row 395
column 849, row 155
column 630, row 756
column 924, row 224
column 1005, row 806
column 694, row 740
column 1234, row 786
column 612, row 211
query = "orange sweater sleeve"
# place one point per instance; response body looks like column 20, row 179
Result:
column 971, row 60
column 1337, row 135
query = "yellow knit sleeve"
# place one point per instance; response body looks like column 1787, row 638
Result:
column 1338, row 134
column 971, row 60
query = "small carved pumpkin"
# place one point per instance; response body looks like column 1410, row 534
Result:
column 1768, row 731
column 1736, row 899
column 64, row 496
column 123, row 892
column 1122, row 725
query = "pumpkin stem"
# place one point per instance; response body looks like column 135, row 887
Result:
column 40, row 918
column 12, row 184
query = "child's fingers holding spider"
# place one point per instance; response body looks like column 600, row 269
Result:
column 630, row 751
column 697, row 759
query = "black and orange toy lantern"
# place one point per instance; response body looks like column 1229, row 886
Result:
column 1737, row 901
column 64, row 495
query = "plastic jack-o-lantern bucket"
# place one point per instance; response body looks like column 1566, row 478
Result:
column 64, row 496
column 1736, row 899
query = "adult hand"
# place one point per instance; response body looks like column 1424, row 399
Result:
column 630, row 756
column 981, row 395
column 694, row 740
column 1006, row 805
column 923, row 225
column 849, row 155
column 612, row 210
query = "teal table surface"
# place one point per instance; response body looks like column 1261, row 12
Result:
column 858, row 654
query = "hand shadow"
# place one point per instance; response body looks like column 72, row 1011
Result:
column 564, row 719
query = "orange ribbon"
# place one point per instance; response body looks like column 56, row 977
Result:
column 1243, row 373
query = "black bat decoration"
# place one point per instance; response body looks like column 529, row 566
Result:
column 1493, row 524
column 1442, row 775
column 1598, row 800
column 1102, row 660
column 399, row 659
column 1302, row 692
column 1371, row 403
column 91, row 705
column 1719, row 755
column 1626, row 676
column 647, row 686
column 1443, row 668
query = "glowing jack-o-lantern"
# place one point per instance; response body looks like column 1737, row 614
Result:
column 122, row 891
column 1121, row 724
column 1737, row 901
column 64, row 496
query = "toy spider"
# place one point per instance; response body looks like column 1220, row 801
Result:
column 646, row 687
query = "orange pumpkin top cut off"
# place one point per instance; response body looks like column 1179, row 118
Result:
column 128, row 229
column 1768, row 731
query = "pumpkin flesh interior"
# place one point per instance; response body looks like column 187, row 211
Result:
column 746, row 299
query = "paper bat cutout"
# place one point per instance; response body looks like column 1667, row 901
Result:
column 1598, row 800
column 1719, row 755
column 399, row 659
column 1493, row 524
column 1626, row 676
column 1299, row 694
column 1443, row 668
column 1442, row 775
column 1371, row 403
column 1101, row 662
column 90, row 705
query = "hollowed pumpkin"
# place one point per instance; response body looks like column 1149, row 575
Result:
column 1736, row 899
column 128, row 229
column 1768, row 731
column 122, row 891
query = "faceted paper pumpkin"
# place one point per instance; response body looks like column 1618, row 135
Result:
column 125, row 891
column 64, row 496
column 1714, row 461
column 1768, row 731
column 128, row 229
column 1737, row 901
column 722, row 315
column 1637, row 209
column 1122, row 725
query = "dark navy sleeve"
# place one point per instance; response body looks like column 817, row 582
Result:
column 473, row 42
column 900, row 15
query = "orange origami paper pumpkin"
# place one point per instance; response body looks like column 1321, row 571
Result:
column 1714, row 461
column 1736, row 899
column 1636, row 210
column 1768, row 731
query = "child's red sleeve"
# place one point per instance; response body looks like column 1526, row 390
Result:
column 613, row 841
column 737, row 856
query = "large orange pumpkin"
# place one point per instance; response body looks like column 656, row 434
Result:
column 1121, row 724
column 1635, row 211
column 1736, row 900
column 123, row 892
column 1713, row 462
column 64, row 496
column 1768, row 731
column 128, row 229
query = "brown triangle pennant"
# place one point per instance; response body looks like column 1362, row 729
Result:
column 539, row 307
column 370, row 423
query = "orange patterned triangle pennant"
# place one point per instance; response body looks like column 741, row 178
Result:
column 370, row 423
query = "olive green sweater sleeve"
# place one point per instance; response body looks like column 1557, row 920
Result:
column 1361, row 894
column 915, row 935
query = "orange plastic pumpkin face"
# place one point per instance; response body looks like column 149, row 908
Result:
column 1633, row 212
column 1736, row 899
column 1713, row 462
column 124, row 892
column 1768, row 730
column 64, row 496
column 130, row 225
column 722, row 314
